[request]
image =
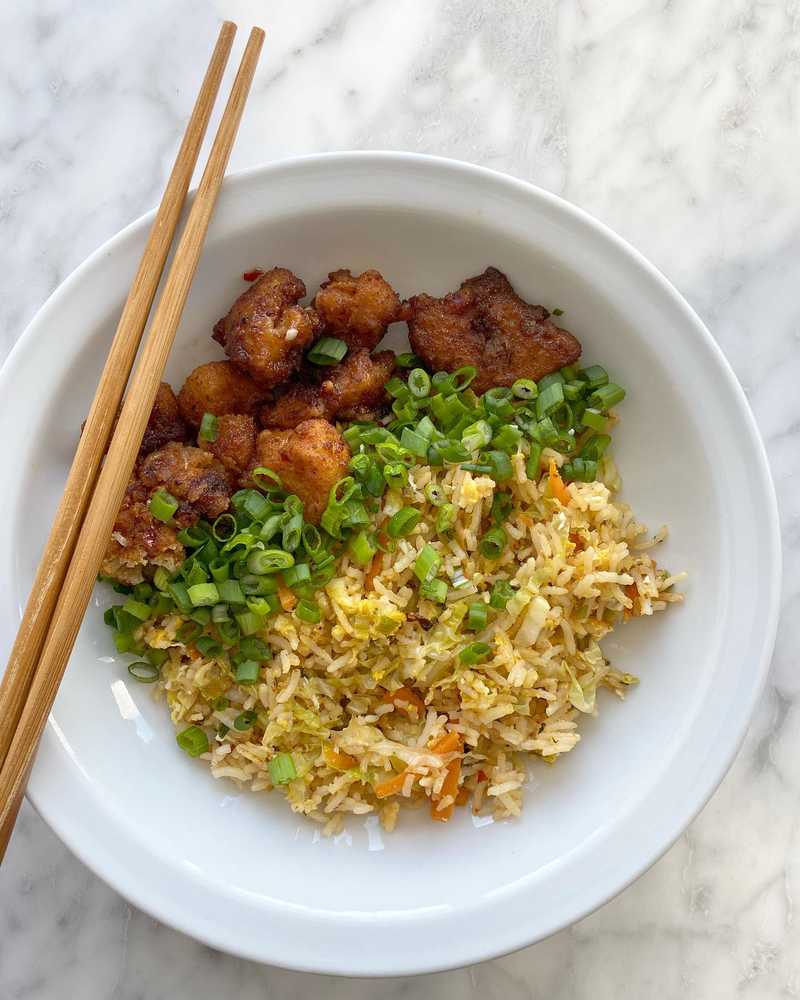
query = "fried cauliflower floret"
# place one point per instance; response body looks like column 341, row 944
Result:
column 235, row 443
column 218, row 388
column 486, row 324
column 165, row 423
column 266, row 331
column 357, row 309
column 352, row 390
column 309, row 459
column 192, row 476
column 139, row 540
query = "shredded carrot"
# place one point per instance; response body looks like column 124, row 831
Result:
column 403, row 698
column 447, row 743
column 337, row 759
column 286, row 597
column 449, row 787
column 557, row 487
column 392, row 786
column 373, row 571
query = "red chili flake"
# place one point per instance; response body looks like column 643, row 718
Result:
column 252, row 275
column 482, row 776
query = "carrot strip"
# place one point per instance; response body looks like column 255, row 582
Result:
column 338, row 760
column 373, row 571
column 447, row 743
column 392, row 786
column 557, row 487
column 286, row 597
column 403, row 698
column 449, row 787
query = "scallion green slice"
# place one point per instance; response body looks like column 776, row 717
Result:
column 327, row 351
column 282, row 769
column 475, row 653
column 193, row 741
column 163, row 505
column 209, row 428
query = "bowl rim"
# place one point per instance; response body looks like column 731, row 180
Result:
column 760, row 473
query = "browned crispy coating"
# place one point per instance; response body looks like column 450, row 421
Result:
column 235, row 443
column 352, row 390
column 266, row 331
column 486, row 324
column 191, row 475
column 139, row 540
column 357, row 309
column 165, row 423
column 309, row 459
column 218, row 388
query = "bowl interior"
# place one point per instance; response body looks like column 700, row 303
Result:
column 677, row 453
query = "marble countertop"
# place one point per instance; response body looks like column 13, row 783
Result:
column 676, row 122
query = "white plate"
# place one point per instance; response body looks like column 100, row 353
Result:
column 240, row 871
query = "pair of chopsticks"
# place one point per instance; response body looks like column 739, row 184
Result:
column 93, row 494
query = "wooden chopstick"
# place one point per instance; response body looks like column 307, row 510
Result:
column 93, row 442
column 115, row 473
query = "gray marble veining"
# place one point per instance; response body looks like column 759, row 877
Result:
column 676, row 122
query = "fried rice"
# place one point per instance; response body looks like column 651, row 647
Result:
column 374, row 703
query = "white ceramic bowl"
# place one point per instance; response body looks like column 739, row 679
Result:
column 240, row 871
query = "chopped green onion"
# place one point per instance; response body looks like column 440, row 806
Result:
column 308, row 611
column 249, row 622
column 462, row 377
column 435, row 494
column 549, row 399
column 266, row 480
column 124, row 642
column 138, row 609
column 362, row 548
column 507, row 438
column 546, row 432
column 582, row 470
column 254, row 649
column 228, row 631
column 292, row 533
column 596, row 447
column 203, row 595
column 201, row 615
column 282, row 769
column 194, row 572
column 480, row 467
column 427, row 563
column 230, row 591
column 144, row 672
column 477, row 435
column 594, row 419
column 219, row 613
column 532, row 466
column 256, row 505
column 607, row 396
column 448, row 410
column 247, row 672
column 414, row 442
column 208, row 645
column 193, row 741
column 493, row 542
column 594, row 377
column 327, row 351
column 497, row 402
column 452, row 452
column 220, row 570
column 209, row 428
column 574, row 390
column 163, row 505
column 161, row 578
column 397, row 389
column 434, row 590
column 502, row 505
column 244, row 720
column 403, row 522
column 477, row 616
column 396, row 475
column 419, row 382
column 525, row 388
column 501, row 594
column 261, row 561
column 156, row 656
column 554, row 378
column 446, row 518
column 407, row 360
column 500, row 465
column 180, row 595
column 476, row 652
column 299, row 573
